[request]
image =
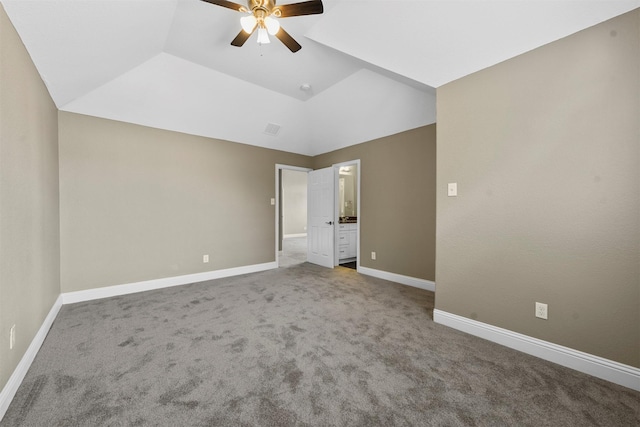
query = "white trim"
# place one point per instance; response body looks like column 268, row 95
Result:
column 289, row 236
column 618, row 373
column 11, row 387
column 399, row 278
column 147, row 285
column 292, row 168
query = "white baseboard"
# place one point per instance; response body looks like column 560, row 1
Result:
column 11, row 387
column 399, row 278
column 288, row 236
column 148, row 285
column 606, row 369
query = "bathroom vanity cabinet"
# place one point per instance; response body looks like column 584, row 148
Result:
column 347, row 241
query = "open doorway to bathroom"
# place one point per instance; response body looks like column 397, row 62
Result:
column 347, row 212
column 292, row 239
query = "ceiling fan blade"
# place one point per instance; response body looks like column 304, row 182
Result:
column 312, row 7
column 242, row 37
column 288, row 41
column 228, row 5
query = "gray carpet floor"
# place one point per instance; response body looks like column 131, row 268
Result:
column 294, row 251
column 295, row 346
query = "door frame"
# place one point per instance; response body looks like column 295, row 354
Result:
column 280, row 167
column 336, row 215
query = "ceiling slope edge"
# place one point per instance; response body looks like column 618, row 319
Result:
column 173, row 94
column 170, row 93
column 371, row 106
column 436, row 42
column 78, row 46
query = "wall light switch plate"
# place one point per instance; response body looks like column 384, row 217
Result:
column 273, row 201
column 205, row 258
column 452, row 189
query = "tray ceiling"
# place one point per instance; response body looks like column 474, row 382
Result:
column 373, row 66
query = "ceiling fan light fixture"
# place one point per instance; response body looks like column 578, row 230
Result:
column 262, row 16
column 263, row 36
column 273, row 26
column 248, row 23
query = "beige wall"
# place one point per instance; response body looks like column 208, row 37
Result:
column 397, row 212
column 139, row 203
column 152, row 202
column 29, row 237
column 545, row 150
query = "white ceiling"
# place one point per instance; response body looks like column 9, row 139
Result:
column 373, row 65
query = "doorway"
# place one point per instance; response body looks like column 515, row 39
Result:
column 347, row 214
column 343, row 220
column 291, row 215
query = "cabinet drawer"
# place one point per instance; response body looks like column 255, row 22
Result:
column 343, row 239
column 347, row 227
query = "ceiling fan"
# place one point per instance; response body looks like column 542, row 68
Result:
column 261, row 16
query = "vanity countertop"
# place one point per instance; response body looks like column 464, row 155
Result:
column 348, row 220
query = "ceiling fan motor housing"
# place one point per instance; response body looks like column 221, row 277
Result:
column 263, row 8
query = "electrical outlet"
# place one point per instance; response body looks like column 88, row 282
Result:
column 373, row 255
column 205, row 258
column 541, row 310
column 12, row 337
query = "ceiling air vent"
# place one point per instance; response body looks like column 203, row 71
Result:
column 272, row 129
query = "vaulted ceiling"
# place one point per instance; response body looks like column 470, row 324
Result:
column 372, row 66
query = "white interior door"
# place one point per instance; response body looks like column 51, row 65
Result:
column 320, row 213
